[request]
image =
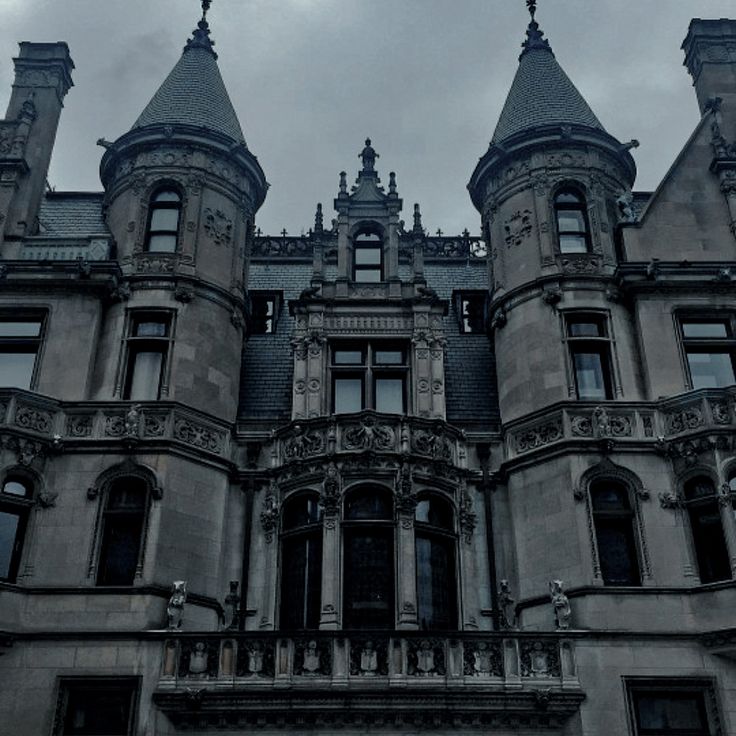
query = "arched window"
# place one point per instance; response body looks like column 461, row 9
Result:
column 573, row 230
column 301, row 562
column 122, row 531
column 613, row 519
column 16, row 499
column 368, row 257
column 163, row 221
column 435, row 563
column 368, row 560
column 709, row 540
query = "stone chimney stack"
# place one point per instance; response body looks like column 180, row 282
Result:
column 710, row 57
column 42, row 79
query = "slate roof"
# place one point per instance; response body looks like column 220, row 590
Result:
column 72, row 215
column 194, row 94
column 541, row 93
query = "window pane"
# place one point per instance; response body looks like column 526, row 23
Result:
column 570, row 221
column 617, row 551
column 151, row 328
column 16, row 369
column 368, row 504
column 390, row 395
column 388, row 357
column 162, row 243
column 167, row 195
column 705, row 329
column 710, row 544
column 165, row 219
column 368, row 256
column 120, row 545
column 369, row 275
column 609, row 498
column 369, row 580
column 347, row 357
column 301, row 511
column 15, row 488
column 9, row 524
column 301, row 582
column 93, row 711
column 434, row 511
column 128, row 494
column 435, row 583
column 589, row 375
column 20, row 329
column 146, row 379
column 711, row 370
column 589, row 328
column 664, row 713
column 568, row 198
column 348, row 395
column 573, row 244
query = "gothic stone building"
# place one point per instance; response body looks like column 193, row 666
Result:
column 368, row 479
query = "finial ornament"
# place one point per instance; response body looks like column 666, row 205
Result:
column 532, row 5
column 206, row 4
column 369, row 156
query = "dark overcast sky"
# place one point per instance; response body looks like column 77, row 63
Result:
column 310, row 79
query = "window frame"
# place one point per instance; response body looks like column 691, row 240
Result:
column 603, row 344
column 368, row 245
column 582, row 207
column 464, row 319
column 21, row 507
column 134, row 345
column 66, row 686
column 154, row 206
column 370, row 371
column 275, row 298
column 24, row 344
column 700, row 345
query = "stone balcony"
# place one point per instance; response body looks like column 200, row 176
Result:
column 232, row 680
column 672, row 425
column 55, row 249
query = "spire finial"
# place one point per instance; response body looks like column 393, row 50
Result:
column 532, row 5
column 534, row 37
column 201, row 35
column 206, row 4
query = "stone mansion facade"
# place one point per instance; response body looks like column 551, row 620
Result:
column 367, row 479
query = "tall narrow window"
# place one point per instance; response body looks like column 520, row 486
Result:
column 122, row 531
column 590, row 356
column 435, row 564
column 613, row 519
column 368, row 258
column 15, row 503
column 368, row 562
column 20, row 340
column 707, row 529
column 301, row 562
column 163, row 223
column 148, row 351
column 264, row 308
column 572, row 222
column 710, row 350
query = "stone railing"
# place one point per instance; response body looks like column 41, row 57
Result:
column 35, row 424
column 344, row 658
column 92, row 249
column 369, row 431
column 662, row 422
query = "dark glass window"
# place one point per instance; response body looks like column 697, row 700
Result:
column 20, row 340
column 572, row 222
column 122, row 531
column 368, row 258
column 613, row 519
column 709, row 540
column 369, row 376
column 301, row 563
column 590, row 356
column 97, row 707
column 15, row 503
column 670, row 712
column 163, row 222
column 471, row 309
column 148, row 349
column 710, row 348
column 368, row 561
column 435, row 564
column 264, row 309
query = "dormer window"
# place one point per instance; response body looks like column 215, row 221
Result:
column 368, row 258
column 163, row 225
column 573, row 230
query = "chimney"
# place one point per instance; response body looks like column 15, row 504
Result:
column 42, row 79
column 710, row 57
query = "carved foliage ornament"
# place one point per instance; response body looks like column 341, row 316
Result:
column 518, row 227
column 218, row 226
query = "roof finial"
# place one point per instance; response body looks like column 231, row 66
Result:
column 369, row 156
column 532, row 5
column 206, row 4
column 201, row 35
column 534, row 37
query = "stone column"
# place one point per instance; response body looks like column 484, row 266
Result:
column 331, row 588
column 406, row 570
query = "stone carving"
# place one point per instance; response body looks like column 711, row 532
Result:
column 482, row 659
column 303, row 443
column 648, row 424
column 468, row 518
column 330, row 498
column 175, row 609
column 540, row 659
column 684, row 419
column 369, row 435
column 433, row 443
column 79, row 426
column 198, row 660
column 506, row 606
column 406, row 501
column 625, row 203
column 149, row 264
column 426, row 658
column 539, row 436
column 670, row 500
column 154, row 425
column 518, row 227
column 270, row 513
column 311, row 660
column 560, row 604
column 218, row 226
column 232, row 601
column 115, row 425
column 368, row 660
column 26, row 451
column 255, row 658
column 197, row 435
column 132, row 421
column 584, row 264
column 46, row 499
column 720, row 412
column 32, row 419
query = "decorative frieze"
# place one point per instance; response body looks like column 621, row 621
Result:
column 539, row 436
column 684, row 419
column 198, row 435
column 33, row 419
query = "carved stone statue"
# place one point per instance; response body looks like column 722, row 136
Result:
column 368, row 156
column 232, row 601
column 507, row 614
column 601, row 423
column 175, row 609
column 198, row 659
column 425, row 658
column 132, row 421
column 311, row 658
column 255, row 658
column 368, row 660
column 625, row 203
column 560, row 604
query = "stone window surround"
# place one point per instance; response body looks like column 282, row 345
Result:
column 21, row 314
column 23, row 507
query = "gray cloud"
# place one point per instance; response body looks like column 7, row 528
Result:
column 310, row 79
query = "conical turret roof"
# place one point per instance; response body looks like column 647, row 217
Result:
column 194, row 93
column 541, row 93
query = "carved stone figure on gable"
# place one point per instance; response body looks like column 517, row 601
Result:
column 507, row 614
column 368, row 155
column 175, row 609
column 560, row 604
